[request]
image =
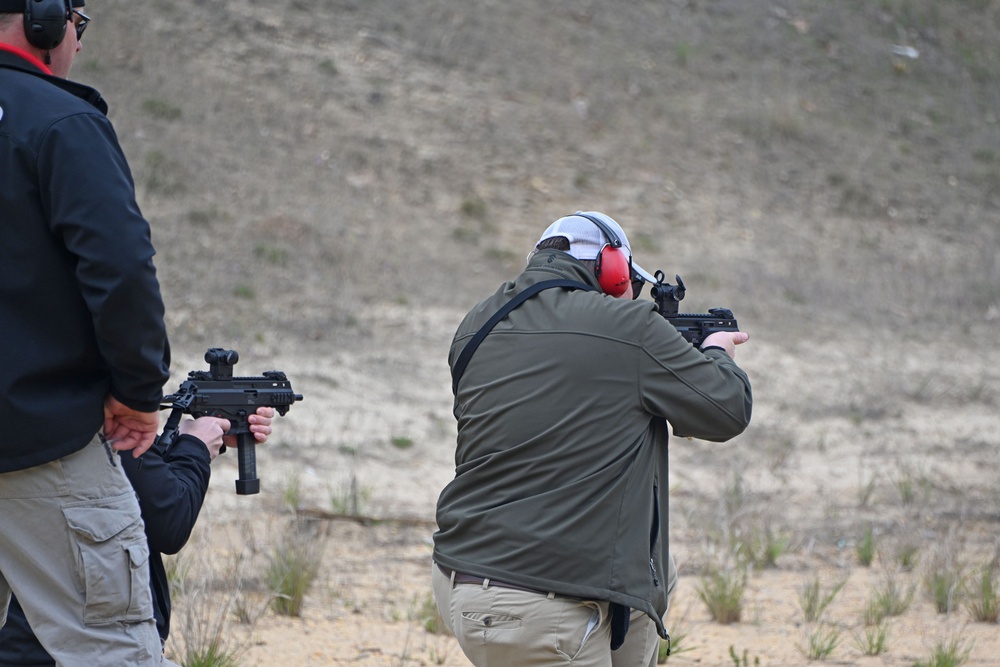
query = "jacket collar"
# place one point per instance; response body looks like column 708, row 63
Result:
column 548, row 264
column 16, row 59
column 7, row 49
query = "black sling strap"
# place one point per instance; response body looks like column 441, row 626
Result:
column 470, row 347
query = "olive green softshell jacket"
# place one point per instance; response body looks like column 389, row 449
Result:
column 561, row 464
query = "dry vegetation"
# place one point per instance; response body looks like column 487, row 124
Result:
column 331, row 183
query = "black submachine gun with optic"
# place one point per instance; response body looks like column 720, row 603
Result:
column 216, row 393
column 695, row 327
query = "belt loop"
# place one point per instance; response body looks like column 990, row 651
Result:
column 551, row 595
column 452, row 578
column 486, row 584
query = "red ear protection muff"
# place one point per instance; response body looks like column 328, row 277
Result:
column 614, row 267
column 613, row 271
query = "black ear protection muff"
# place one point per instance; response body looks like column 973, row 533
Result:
column 45, row 22
column 614, row 266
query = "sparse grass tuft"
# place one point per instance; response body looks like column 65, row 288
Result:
column 873, row 639
column 350, row 499
column 907, row 556
column 907, row 487
column 814, row 600
column 214, row 655
column 202, row 635
column 889, row 599
column 984, row 602
column 865, row 490
column 293, row 566
column 292, row 494
column 401, row 442
column 742, row 660
column 761, row 547
column 178, row 569
column 474, row 207
column 822, row 640
column 944, row 587
column 944, row 579
column 866, row 547
column 271, row 254
column 951, row 653
column 328, row 67
column 734, row 495
column 722, row 592
column 683, row 51
column 244, row 292
column 429, row 617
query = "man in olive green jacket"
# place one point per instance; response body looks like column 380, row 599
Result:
column 553, row 534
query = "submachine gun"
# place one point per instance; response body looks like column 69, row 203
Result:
column 216, row 393
column 695, row 327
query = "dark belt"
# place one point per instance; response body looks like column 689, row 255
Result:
column 462, row 578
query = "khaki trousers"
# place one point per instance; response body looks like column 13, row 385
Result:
column 504, row 627
column 73, row 548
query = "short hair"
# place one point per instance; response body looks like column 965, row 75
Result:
column 561, row 243
column 554, row 243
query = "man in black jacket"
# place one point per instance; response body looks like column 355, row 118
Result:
column 171, row 485
column 83, row 349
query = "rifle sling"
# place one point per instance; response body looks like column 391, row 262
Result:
column 472, row 345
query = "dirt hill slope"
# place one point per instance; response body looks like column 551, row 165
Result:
column 330, row 152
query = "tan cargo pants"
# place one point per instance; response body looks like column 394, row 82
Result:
column 503, row 626
column 73, row 548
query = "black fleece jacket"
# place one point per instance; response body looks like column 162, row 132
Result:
column 81, row 314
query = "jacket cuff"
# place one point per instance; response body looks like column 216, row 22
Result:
column 140, row 406
column 195, row 446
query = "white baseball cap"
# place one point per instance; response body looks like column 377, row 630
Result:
column 585, row 238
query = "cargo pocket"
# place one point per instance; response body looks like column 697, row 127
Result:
column 113, row 558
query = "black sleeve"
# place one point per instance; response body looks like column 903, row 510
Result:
column 171, row 487
column 18, row 645
column 88, row 191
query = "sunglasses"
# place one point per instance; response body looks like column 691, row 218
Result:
column 637, row 284
column 80, row 25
